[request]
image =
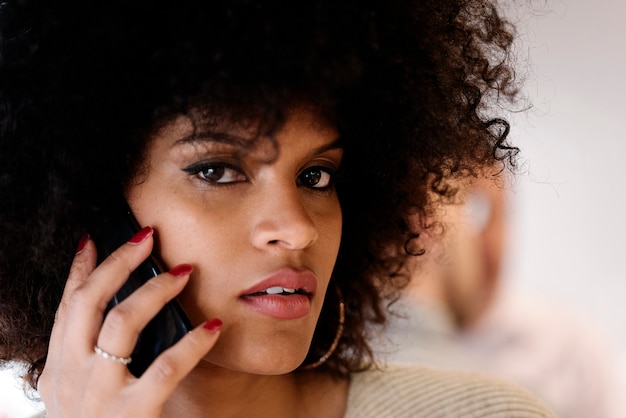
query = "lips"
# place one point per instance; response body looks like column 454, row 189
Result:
column 286, row 294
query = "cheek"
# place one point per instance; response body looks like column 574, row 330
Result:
column 215, row 252
column 200, row 240
column 330, row 227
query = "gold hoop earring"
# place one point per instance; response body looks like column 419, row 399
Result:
column 338, row 334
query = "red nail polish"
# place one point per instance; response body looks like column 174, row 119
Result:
column 84, row 239
column 141, row 236
column 181, row 270
column 212, row 325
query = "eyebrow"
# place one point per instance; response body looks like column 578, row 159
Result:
column 210, row 136
column 239, row 141
column 335, row 144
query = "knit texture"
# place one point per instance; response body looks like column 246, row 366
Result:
column 413, row 391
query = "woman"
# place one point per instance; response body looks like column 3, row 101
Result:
column 274, row 151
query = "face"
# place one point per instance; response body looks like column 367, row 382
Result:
column 261, row 226
column 474, row 249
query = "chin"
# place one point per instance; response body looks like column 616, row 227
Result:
column 278, row 369
column 261, row 366
column 280, row 355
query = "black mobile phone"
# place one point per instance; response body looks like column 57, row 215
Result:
column 171, row 323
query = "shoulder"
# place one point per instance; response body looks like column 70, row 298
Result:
column 414, row 391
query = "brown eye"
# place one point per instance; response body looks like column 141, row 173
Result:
column 213, row 174
column 219, row 173
column 316, row 178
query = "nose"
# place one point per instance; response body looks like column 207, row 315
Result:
column 281, row 220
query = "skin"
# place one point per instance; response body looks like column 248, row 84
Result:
column 462, row 272
column 234, row 216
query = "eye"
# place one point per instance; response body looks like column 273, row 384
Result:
column 316, row 177
column 218, row 173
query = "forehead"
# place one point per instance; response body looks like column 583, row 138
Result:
column 244, row 135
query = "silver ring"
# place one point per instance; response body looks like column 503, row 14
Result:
column 109, row 356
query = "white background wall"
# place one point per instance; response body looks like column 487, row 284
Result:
column 568, row 237
column 569, row 208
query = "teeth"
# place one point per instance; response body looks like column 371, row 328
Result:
column 275, row 290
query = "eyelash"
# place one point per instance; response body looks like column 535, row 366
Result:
column 201, row 170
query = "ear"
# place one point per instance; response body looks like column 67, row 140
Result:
column 492, row 220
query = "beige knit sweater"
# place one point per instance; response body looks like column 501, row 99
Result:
column 419, row 392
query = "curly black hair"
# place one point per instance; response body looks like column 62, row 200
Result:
column 410, row 85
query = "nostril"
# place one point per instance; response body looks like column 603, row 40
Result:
column 294, row 233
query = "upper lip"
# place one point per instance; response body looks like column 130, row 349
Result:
column 303, row 281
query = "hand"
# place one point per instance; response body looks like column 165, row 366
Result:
column 77, row 382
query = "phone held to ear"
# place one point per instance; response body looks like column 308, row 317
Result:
column 171, row 323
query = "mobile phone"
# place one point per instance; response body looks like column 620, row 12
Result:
column 171, row 323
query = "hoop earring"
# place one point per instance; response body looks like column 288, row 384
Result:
column 338, row 334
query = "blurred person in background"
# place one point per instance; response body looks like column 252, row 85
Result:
column 459, row 312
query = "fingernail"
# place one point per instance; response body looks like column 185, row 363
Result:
column 141, row 236
column 213, row 325
column 181, row 270
column 84, row 239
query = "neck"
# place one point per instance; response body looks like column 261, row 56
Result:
column 227, row 393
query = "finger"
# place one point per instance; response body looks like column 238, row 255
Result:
column 88, row 294
column 171, row 367
column 66, row 345
column 109, row 276
column 83, row 264
column 125, row 321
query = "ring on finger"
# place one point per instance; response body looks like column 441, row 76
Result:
column 122, row 360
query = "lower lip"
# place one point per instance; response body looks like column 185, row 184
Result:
column 280, row 306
